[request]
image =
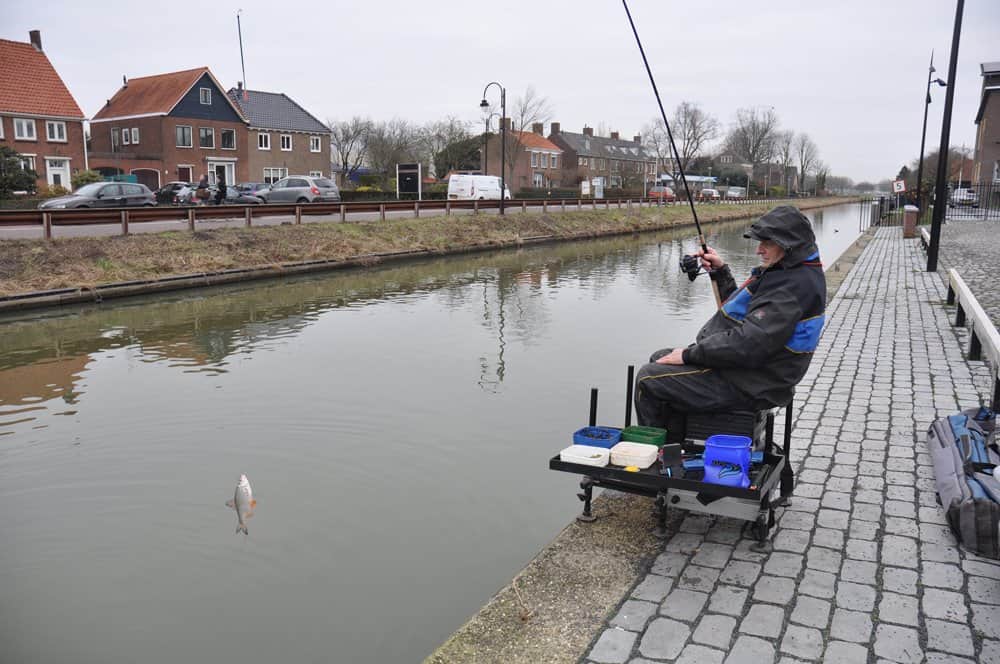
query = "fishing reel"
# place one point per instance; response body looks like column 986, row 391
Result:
column 691, row 266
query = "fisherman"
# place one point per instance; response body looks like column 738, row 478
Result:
column 757, row 347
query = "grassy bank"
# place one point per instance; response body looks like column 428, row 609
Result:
column 33, row 265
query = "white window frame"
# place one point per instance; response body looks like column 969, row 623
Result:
column 135, row 136
column 57, row 125
column 205, row 96
column 22, row 124
column 315, row 144
column 211, row 131
column 1, row 127
column 275, row 173
column 282, row 142
column 190, row 135
column 544, row 162
column 534, row 160
column 315, row 174
column 222, row 143
column 125, row 136
column 263, row 141
column 553, row 163
column 537, row 179
column 28, row 162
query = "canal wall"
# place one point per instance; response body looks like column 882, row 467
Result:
column 88, row 294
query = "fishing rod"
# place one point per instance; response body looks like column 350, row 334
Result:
column 673, row 147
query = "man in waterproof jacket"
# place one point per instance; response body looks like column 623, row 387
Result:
column 756, row 348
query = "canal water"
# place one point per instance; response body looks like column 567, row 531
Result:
column 394, row 423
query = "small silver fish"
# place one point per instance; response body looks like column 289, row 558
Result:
column 243, row 503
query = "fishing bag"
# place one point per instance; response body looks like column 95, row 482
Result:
column 964, row 453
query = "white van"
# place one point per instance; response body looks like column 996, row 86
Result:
column 736, row 192
column 475, row 187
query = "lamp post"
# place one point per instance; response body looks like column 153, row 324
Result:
column 503, row 136
column 923, row 132
column 486, row 144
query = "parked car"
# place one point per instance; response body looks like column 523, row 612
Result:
column 301, row 189
column 103, row 194
column 709, row 195
column 168, row 192
column 964, row 197
column 662, row 193
column 253, row 188
column 462, row 187
column 736, row 192
column 233, row 197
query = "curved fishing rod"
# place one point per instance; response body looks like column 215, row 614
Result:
column 673, row 146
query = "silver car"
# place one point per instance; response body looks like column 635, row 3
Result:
column 301, row 189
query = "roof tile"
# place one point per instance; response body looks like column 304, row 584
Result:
column 150, row 94
column 29, row 83
column 275, row 110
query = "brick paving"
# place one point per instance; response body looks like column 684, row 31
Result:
column 863, row 567
column 971, row 248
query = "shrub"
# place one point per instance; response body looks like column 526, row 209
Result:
column 51, row 191
column 81, row 178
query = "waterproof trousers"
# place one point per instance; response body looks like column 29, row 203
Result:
column 664, row 393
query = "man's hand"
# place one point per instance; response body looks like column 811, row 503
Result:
column 676, row 356
column 709, row 259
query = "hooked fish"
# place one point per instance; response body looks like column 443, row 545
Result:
column 243, row 503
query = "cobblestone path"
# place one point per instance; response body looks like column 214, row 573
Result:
column 863, row 566
column 971, row 247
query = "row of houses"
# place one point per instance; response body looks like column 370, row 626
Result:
column 174, row 126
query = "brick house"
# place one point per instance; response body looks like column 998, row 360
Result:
column 621, row 163
column 986, row 158
column 38, row 116
column 283, row 138
column 168, row 127
column 536, row 161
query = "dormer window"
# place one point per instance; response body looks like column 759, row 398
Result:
column 205, row 95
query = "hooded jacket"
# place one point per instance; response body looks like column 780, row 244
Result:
column 763, row 337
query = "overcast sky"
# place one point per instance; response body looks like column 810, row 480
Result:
column 849, row 73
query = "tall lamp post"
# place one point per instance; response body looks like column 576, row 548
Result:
column 503, row 136
column 923, row 132
column 486, row 144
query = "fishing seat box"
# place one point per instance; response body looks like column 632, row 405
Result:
column 749, row 423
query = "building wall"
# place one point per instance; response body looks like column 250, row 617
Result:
column 521, row 175
column 40, row 148
column 299, row 161
column 988, row 141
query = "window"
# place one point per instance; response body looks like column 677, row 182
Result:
column 1, row 127
column 286, row 142
column 582, row 161
column 28, row 162
column 263, row 141
column 183, row 136
column 552, row 161
column 537, row 180
column 206, row 137
column 315, row 144
column 205, row 95
column 135, row 136
column 545, row 160
column 228, row 139
column 726, row 159
column 315, row 174
column 272, row 175
column 125, row 137
column 24, row 130
column 55, row 131
column 534, row 159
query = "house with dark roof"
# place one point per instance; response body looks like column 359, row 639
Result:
column 619, row 162
column 532, row 159
column 38, row 116
column 986, row 158
column 283, row 138
column 173, row 126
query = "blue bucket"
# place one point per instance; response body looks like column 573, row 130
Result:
column 727, row 460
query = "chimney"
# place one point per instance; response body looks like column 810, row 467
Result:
column 553, row 129
column 506, row 122
column 614, row 136
column 239, row 86
column 537, row 128
column 588, row 131
column 637, row 139
column 124, row 81
column 36, row 39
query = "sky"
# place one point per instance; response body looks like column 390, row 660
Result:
column 852, row 74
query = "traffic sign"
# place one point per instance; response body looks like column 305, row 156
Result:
column 898, row 186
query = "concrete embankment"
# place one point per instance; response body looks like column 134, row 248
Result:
column 35, row 273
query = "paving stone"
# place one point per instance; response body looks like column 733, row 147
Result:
column 859, row 571
column 866, row 512
column 986, row 619
column 613, row 647
column 932, row 514
column 949, row 637
column 783, row 564
column 898, row 644
column 811, row 611
column 899, row 551
column 728, row 600
column 900, row 508
column 810, row 505
column 712, row 554
column 797, row 520
column 990, row 653
column 944, row 604
column 836, row 500
column 803, row 642
column 726, row 531
column 854, row 626
column 981, row 568
column 832, row 519
column 939, row 553
column 868, row 496
column 938, row 534
column 684, row 543
column 864, row 530
column 845, row 653
column 790, row 540
column 653, row 588
column 899, row 526
column 945, row 658
column 744, row 552
column 829, row 538
column 983, row 590
column 750, row 650
column 805, row 490
column 664, row 639
column 862, row 550
column 715, row 630
column 695, row 654
column 825, row 560
column 633, row 615
column 696, row 523
column 819, row 584
column 855, row 596
column 740, row 573
column 698, row 578
column 896, row 608
column 897, row 580
column 942, row 575
column 683, row 604
column 763, row 620
column 669, row 564
column 776, row 589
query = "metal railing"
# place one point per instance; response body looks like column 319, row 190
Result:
column 983, row 336
column 978, row 202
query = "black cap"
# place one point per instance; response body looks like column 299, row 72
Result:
column 756, row 233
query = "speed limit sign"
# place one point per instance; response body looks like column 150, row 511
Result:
column 898, row 186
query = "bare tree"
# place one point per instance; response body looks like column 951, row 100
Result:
column 390, row 143
column 437, row 136
column 822, row 171
column 348, row 144
column 654, row 139
column 693, row 130
column 751, row 137
column 807, row 155
column 526, row 110
column 784, row 153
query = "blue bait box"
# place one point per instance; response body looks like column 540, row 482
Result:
column 727, row 460
column 598, row 437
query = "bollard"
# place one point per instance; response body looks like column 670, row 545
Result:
column 416, row 209
column 579, row 205
column 545, row 206
column 124, row 214
column 524, row 206
column 910, row 214
column 381, row 211
column 247, row 215
column 191, row 219
column 47, row 225
column 343, row 212
column 475, row 206
column 562, row 206
column 447, row 208
column 298, row 215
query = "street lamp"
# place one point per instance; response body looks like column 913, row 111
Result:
column 486, row 144
column 503, row 136
column 923, row 132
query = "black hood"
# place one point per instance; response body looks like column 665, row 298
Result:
column 790, row 230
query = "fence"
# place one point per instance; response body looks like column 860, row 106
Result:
column 983, row 336
column 978, row 202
